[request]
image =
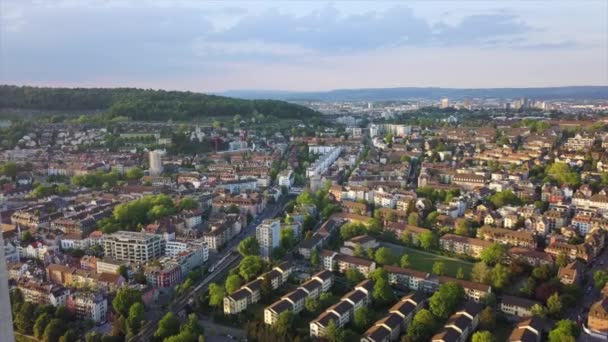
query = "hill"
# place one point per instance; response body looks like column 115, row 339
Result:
column 431, row 93
column 144, row 104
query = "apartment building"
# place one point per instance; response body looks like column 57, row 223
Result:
column 598, row 316
column 463, row 245
column 507, row 236
column 528, row 330
column 37, row 292
column 333, row 261
column 399, row 317
column 86, row 305
column 249, row 293
column 294, row 300
column 134, row 246
column 408, row 278
column 460, row 325
column 517, row 306
column 268, row 235
column 342, row 312
column 473, row 291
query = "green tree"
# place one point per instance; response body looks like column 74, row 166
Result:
column 460, row 273
column 25, row 318
column 53, row 331
column 250, row 266
column 135, row 318
column 439, row 268
column 187, row 203
column 542, row 272
column 563, row 174
column 406, row 238
column 482, row 336
column 561, row 260
column 288, row 238
column 481, row 273
column 40, row 325
column 359, row 251
column 422, row 327
column 413, row 219
column 125, row 298
column 333, row 333
column 428, row 240
column 134, row 173
column 487, row 319
column 463, row 227
column 600, row 278
column 384, row 256
column 69, row 336
column 405, row 261
column 383, row 293
column 311, row 305
column 216, row 294
column 446, row 299
column 554, row 304
column 500, row 276
column 314, row 257
column 167, row 326
column 539, row 310
column 353, row 276
column 494, row 254
column 233, row 283
column 284, row 322
column 503, row 198
column 363, row 318
column 564, row 331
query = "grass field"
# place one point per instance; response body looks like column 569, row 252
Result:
column 423, row 261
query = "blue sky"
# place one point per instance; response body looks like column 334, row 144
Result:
column 307, row 45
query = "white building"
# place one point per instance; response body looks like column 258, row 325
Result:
column 156, row 163
column 268, row 235
column 93, row 306
column 285, row 178
column 134, row 246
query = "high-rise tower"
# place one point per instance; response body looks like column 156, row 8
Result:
column 6, row 318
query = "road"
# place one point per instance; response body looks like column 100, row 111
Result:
column 179, row 304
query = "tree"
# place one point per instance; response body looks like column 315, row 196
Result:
column 482, row 336
column 192, row 325
column 542, row 272
column 359, row 251
column 314, row 257
column 600, row 278
column 561, row 260
column 250, row 266
column 384, row 256
column 288, row 238
column 351, row 229
column 233, row 283
column 500, row 276
column 563, row 174
column 405, row 261
column 123, row 271
column 427, row 240
column 363, row 318
column 187, row 203
column 502, row 198
column 333, row 333
column 481, row 273
column 487, row 319
column 538, row 310
column 422, row 326
column 382, row 292
column 25, row 318
column 528, row 288
column 167, row 326
column 312, row 305
column 413, row 219
column 463, row 227
column 40, row 325
column 135, row 318
column 125, row 298
column 284, row 322
column 353, row 276
column 134, row 173
column 446, row 299
column 216, row 294
column 69, row 336
column 564, row 330
column 460, row 273
column 406, row 238
column 439, row 268
column 554, row 304
column 493, row 254
column 53, row 331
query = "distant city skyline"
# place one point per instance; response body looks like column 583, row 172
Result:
column 303, row 46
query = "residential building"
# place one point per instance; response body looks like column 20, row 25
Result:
column 460, row 325
column 134, row 246
column 268, row 235
column 517, row 306
column 572, row 273
column 87, row 305
column 528, row 330
column 597, row 319
column 463, row 245
column 399, row 317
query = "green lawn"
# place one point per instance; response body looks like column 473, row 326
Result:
column 423, row 261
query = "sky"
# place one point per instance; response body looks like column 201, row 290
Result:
column 213, row 46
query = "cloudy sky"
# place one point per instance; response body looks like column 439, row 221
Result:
column 308, row 45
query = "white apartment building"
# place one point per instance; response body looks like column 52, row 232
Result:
column 285, row 178
column 328, row 157
column 156, row 163
column 93, row 306
column 268, row 235
column 134, row 246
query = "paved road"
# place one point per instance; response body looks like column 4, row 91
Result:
column 179, row 304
